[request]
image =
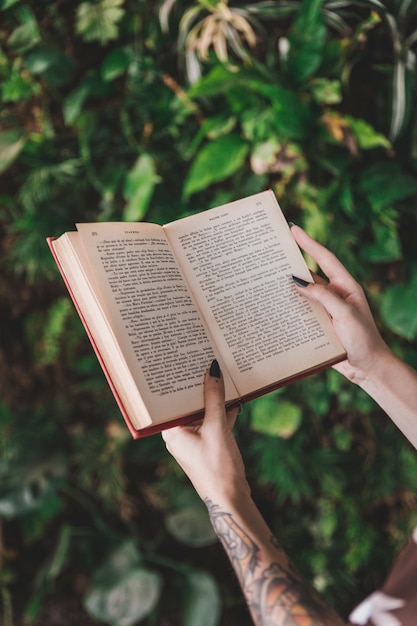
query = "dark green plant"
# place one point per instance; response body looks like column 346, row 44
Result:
column 99, row 121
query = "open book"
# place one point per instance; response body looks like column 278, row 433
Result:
column 159, row 303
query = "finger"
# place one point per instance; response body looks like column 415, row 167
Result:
column 333, row 303
column 328, row 262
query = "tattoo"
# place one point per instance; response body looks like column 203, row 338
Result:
column 276, row 594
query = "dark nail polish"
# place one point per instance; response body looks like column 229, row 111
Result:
column 300, row 281
column 291, row 224
column 215, row 369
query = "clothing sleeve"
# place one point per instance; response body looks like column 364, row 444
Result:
column 396, row 603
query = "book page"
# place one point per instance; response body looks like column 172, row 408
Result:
column 152, row 314
column 239, row 259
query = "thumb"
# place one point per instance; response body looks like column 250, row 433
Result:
column 214, row 396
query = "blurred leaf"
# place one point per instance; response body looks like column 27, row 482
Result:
column 342, row 437
column 385, row 182
column 5, row 4
column 191, row 525
column 91, row 85
column 18, row 86
column 123, row 558
column 25, row 36
column 11, row 144
column 73, row 103
column 53, row 330
column 307, row 37
column 27, row 487
column 386, row 246
column 60, row 554
column 202, row 600
column 35, row 522
column 121, row 592
column 139, row 187
column 53, row 65
column 216, row 161
column 398, row 308
column 367, row 136
column 98, row 21
column 327, row 522
column 326, row 91
column 276, row 417
column 115, row 64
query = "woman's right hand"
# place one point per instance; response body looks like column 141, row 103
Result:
column 345, row 301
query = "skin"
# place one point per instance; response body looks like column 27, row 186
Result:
column 275, row 592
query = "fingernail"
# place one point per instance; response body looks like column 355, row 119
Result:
column 300, row 281
column 215, row 369
column 291, row 224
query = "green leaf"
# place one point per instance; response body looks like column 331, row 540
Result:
column 122, row 592
column 98, row 21
column 115, row 64
column 73, row 103
column 386, row 247
column 216, row 161
column 139, row 187
column 306, row 38
column 272, row 416
column 385, row 183
column 202, row 600
column 91, row 85
column 366, row 136
column 326, row 91
column 54, row 66
column 398, row 308
column 6, row 4
column 25, row 36
column 191, row 525
column 11, row 144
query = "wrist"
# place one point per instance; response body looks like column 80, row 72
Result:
column 379, row 371
column 229, row 497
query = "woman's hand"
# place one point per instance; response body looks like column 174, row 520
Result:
column 345, row 301
column 207, row 451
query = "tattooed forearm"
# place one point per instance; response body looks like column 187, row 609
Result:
column 276, row 594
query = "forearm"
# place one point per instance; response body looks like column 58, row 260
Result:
column 275, row 592
column 393, row 385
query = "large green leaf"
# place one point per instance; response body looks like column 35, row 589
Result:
column 98, row 21
column 139, row 187
column 202, row 600
column 127, row 601
column 306, row 38
column 216, row 161
column 122, row 591
column 276, row 417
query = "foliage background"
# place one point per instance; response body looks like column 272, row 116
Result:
column 125, row 110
